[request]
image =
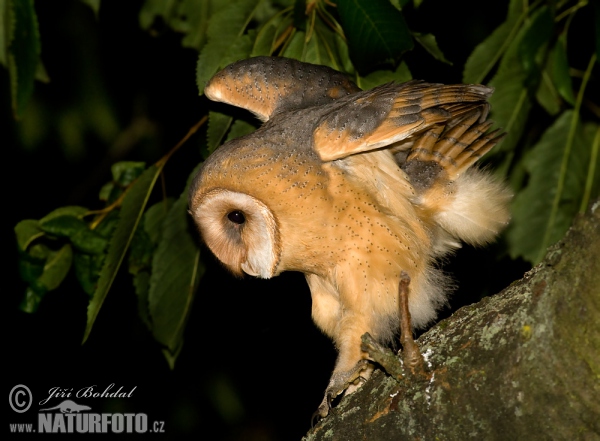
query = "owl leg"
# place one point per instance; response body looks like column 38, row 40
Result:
column 351, row 366
column 412, row 357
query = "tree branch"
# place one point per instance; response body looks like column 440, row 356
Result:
column 523, row 364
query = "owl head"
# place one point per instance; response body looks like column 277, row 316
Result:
column 240, row 230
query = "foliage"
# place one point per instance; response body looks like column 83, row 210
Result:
column 544, row 103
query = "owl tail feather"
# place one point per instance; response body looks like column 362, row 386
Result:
column 467, row 203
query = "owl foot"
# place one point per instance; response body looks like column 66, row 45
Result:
column 411, row 356
column 339, row 382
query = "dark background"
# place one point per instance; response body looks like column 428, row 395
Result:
column 253, row 366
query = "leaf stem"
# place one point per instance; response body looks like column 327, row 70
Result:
column 565, row 159
column 102, row 213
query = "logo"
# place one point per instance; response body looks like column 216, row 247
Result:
column 68, row 406
column 20, row 398
column 71, row 417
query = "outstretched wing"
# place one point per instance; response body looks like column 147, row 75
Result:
column 390, row 113
column 270, row 85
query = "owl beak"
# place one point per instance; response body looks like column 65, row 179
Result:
column 249, row 270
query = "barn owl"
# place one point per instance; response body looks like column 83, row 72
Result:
column 351, row 188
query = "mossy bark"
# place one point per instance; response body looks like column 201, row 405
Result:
column 520, row 365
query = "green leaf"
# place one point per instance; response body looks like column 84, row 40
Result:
column 71, row 210
column 379, row 77
column 94, row 4
column 24, row 49
column 547, row 95
column 543, row 211
column 295, row 46
column 485, row 56
column 87, row 270
column 225, row 27
column 176, row 271
column 130, row 214
column 56, row 267
column 196, row 17
column 376, row 31
column 140, row 258
column 27, row 231
column 560, row 70
column 154, row 218
column 31, row 264
column 314, row 52
column 538, row 33
column 31, row 301
column 240, row 49
column 141, row 283
column 77, row 231
column 218, row 125
column 511, row 103
column 591, row 135
column 429, row 43
column 268, row 33
column 240, row 128
column 125, row 172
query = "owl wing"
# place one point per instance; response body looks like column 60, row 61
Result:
column 270, row 85
column 390, row 113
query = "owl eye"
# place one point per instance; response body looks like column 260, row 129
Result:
column 236, row 217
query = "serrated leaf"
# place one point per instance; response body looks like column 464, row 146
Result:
column 197, row 18
column 430, row 44
column 487, row 54
column 125, row 172
column 379, row 77
column 218, row 125
column 223, row 30
column 376, row 31
column 176, row 271
column 23, row 52
column 27, row 231
column 544, row 210
column 560, row 70
column 240, row 49
column 239, row 128
column 56, row 267
column 77, row 231
column 130, row 214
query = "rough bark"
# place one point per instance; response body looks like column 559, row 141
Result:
column 521, row 365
